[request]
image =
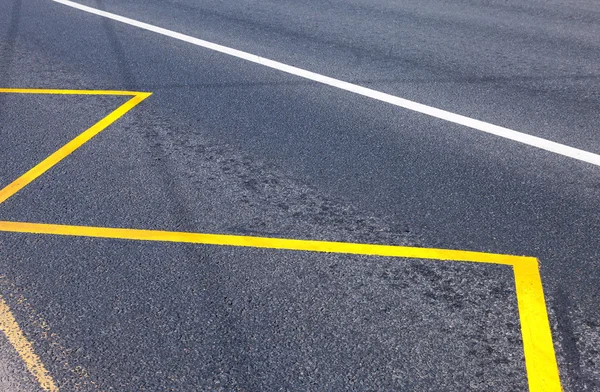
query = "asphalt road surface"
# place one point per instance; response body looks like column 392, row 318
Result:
column 228, row 146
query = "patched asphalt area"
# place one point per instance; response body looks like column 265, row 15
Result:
column 154, row 316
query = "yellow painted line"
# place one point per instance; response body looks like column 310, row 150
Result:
column 540, row 358
column 68, row 148
column 67, row 92
column 260, row 242
column 10, row 328
column 8, row 324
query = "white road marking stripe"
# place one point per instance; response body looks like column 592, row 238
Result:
column 507, row 133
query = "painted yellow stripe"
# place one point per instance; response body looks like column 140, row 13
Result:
column 68, row 148
column 260, row 242
column 10, row 328
column 67, row 92
column 540, row 359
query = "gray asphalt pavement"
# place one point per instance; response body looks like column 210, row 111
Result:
column 13, row 372
column 227, row 146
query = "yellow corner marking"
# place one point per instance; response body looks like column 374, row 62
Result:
column 74, row 144
column 540, row 359
column 10, row 328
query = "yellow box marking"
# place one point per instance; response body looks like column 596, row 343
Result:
column 540, row 358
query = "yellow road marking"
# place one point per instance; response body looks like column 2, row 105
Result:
column 540, row 360
column 67, row 92
column 74, row 144
column 8, row 325
column 10, row 328
column 260, row 242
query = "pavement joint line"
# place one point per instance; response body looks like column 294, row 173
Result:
column 472, row 123
column 540, row 358
column 14, row 334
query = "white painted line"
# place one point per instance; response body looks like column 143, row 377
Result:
column 520, row 137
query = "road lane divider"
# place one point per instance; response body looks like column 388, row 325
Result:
column 67, row 92
column 472, row 123
column 540, row 358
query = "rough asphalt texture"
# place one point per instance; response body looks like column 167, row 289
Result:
column 229, row 147
column 14, row 376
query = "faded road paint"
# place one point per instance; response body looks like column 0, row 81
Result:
column 10, row 328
